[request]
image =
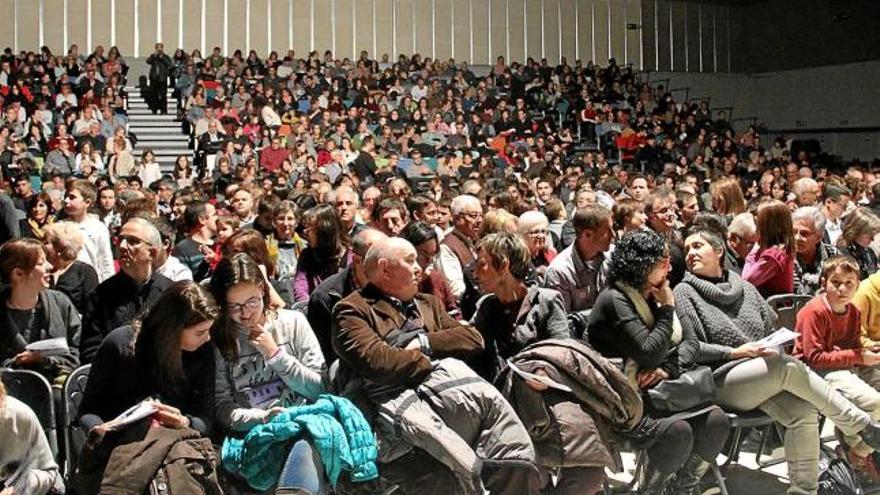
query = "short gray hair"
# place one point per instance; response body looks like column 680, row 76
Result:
column 154, row 238
column 388, row 248
column 811, row 213
column 66, row 238
column 743, row 225
column 529, row 220
column 459, row 203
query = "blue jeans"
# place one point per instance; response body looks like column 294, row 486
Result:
column 303, row 471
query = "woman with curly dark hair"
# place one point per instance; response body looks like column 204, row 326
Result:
column 327, row 252
column 634, row 319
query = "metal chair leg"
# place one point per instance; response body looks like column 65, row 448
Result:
column 719, row 478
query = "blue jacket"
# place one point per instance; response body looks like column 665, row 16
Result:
column 338, row 431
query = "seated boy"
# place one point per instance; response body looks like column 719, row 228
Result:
column 830, row 344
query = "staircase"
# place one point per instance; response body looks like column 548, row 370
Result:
column 161, row 133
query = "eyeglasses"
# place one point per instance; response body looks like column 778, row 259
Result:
column 472, row 215
column 537, row 232
column 250, row 304
column 131, row 240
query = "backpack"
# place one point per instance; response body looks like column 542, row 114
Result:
column 836, row 475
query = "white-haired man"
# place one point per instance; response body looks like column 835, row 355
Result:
column 457, row 249
column 742, row 234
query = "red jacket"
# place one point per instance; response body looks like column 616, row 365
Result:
column 828, row 341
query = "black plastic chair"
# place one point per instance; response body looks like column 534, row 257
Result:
column 74, row 434
column 34, row 390
column 786, row 307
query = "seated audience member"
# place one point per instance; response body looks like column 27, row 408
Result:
column 629, row 215
column 834, row 206
column 32, row 312
column 867, row 300
column 860, row 226
column 393, row 344
column 728, row 315
column 271, row 359
column 166, row 263
column 26, row 462
column 634, row 319
column 830, row 344
column 770, row 265
column 533, row 226
column 457, row 249
column 511, row 317
column 96, row 251
column 390, row 216
column 812, row 252
column 253, row 244
column 742, row 236
column 125, row 295
column 165, row 357
column 39, row 216
column 326, row 254
column 337, row 287
column 71, row 276
column 424, row 238
column 579, row 273
column 284, row 240
column 200, row 225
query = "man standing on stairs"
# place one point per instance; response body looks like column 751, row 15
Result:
column 160, row 67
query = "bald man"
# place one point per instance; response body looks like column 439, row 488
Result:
column 338, row 286
column 392, row 344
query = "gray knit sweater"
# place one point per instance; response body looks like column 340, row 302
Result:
column 722, row 315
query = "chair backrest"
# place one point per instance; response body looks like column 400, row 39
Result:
column 786, row 307
column 34, row 390
column 74, row 435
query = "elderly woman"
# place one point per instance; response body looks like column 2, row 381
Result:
column 511, row 317
column 30, row 312
column 728, row 316
column 534, row 226
column 76, row 279
column 634, row 319
column 809, row 225
column 859, row 228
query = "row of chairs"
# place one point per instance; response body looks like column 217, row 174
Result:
column 62, row 429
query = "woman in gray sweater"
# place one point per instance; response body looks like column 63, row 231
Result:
column 728, row 317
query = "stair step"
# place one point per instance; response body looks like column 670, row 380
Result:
column 174, row 138
column 155, row 124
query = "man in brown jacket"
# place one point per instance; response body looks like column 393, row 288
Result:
column 395, row 343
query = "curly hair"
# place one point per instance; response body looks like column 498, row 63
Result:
column 635, row 255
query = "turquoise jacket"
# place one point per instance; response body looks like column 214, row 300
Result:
column 337, row 429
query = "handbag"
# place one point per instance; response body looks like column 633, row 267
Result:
column 692, row 389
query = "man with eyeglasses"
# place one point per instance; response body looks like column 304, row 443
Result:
column 457, row 253
column 134, row 289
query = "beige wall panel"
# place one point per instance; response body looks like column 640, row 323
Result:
column 678, row 13
column 461, row 46
column 423, row 27
column 585, row 30
column 551, row 31
column 481, row 32
column 124, row 27
column 260, row 27
column 192, row 25
column 147, row 26
column 363, row 25
column 323, row 33
column 53, row 33
column 600, row 25
column 618, row 30
column 693, row 37
column 100, row 23
column 344, row 29
column 235, row 30
column 567, row 30
column 499, row 30
column 170, row 15
column 405, row 39
column 214, row 20
column 533, row 29
column 633, row 41
column 384, row 29
column 280, row 22
column 7, row 34
column 443, row 29
column 517, row 31
column 28, row 26
column 301, row 40
column 76, row 25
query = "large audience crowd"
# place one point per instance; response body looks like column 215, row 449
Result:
column 413, row 276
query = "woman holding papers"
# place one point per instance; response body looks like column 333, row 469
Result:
column 30, row 313
column 728, row 316
column 165, row 358
column 634, row 320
